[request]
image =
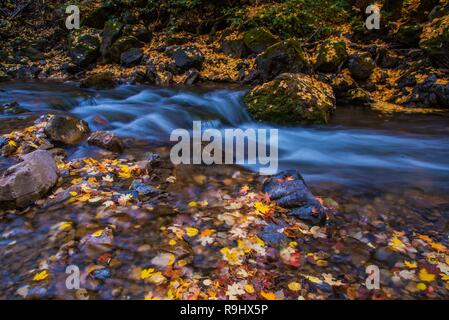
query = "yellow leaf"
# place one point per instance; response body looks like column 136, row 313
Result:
column 172, row 242
column 396, row 244
column 77, row 180
column 182, row 263
column 426, row 276
column 261, row 208
column 65, row 225
column 73, row 193
column 312, row 279
column 444, row 277
column 268, row 295
column 438, row 246
column 249, row 288
column 97, row 233
column 294, row 286
column 41, row 276
column 191, row 232
column 421, row 286
column 83, row 198
column 92, row 180
column 411, row 265
column 207, row 233
column 12, row 143
column 146, row 273
column 192, row 204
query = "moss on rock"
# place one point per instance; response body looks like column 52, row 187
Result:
column 331, row 54
column 435, row 39
column 292, row 98
column 284, row 56
column 84, row 46
column 258, row 40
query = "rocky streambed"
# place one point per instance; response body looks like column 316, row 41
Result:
column 92, row 186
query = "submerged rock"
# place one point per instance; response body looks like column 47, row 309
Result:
column 66, row 129
column 27, row 181
column 11, row 109
column 257, row 40
column 289, row 190
column 285, row 56
column 106, row 140
column 292, row 98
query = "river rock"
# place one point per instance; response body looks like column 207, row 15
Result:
column 29, row 180
column 361, row 65
column 408, row 35
column 289, row 190
column 257, row 40
column 139, row 31
column 106, row 140
column 66, row 129
column 292, row 98
column 99, row 81
column 191, row 76
column 285, row 56
column 11, row 109
column 131, row 57
column 330, row 56
column 189, row 57
column 111, row 32
column 123, row 44
column 84, row 46
column 435, row 39
column 234, row 47
column 97, row 18
column 432, row 92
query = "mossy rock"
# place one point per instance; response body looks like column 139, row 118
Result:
column 361, row 65
column 257, row 40
column 292, row 98
column 282, row 57
column 84, row 46
column 408, row 35
column 121, row 45
column 435, row 39
column 111, row 32
column 330, row 56
column 97, row 18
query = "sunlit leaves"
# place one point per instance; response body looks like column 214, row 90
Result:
column 40, row 276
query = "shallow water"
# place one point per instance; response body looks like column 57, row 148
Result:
column 387, row 172
column 360, row 148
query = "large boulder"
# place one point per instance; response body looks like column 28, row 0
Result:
column 27, row 181
column 285, row 56
column 66, row 129
column 435, row 39
column 187, row 58
column 121, row 45
column 331, row 55
column 234, row 47
column 99, row 81
column 106, row 140
column 84, row 46
column 257, row 40
column 361, row 65
column 289, row 190
column 292, row 98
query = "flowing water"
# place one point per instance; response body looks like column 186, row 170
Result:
column 359, row 149
column 393, row 168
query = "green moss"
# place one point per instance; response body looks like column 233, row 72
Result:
column 291, row 98
column 259, row 39
column 331, row 55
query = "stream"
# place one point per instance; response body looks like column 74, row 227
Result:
column 392, row 168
